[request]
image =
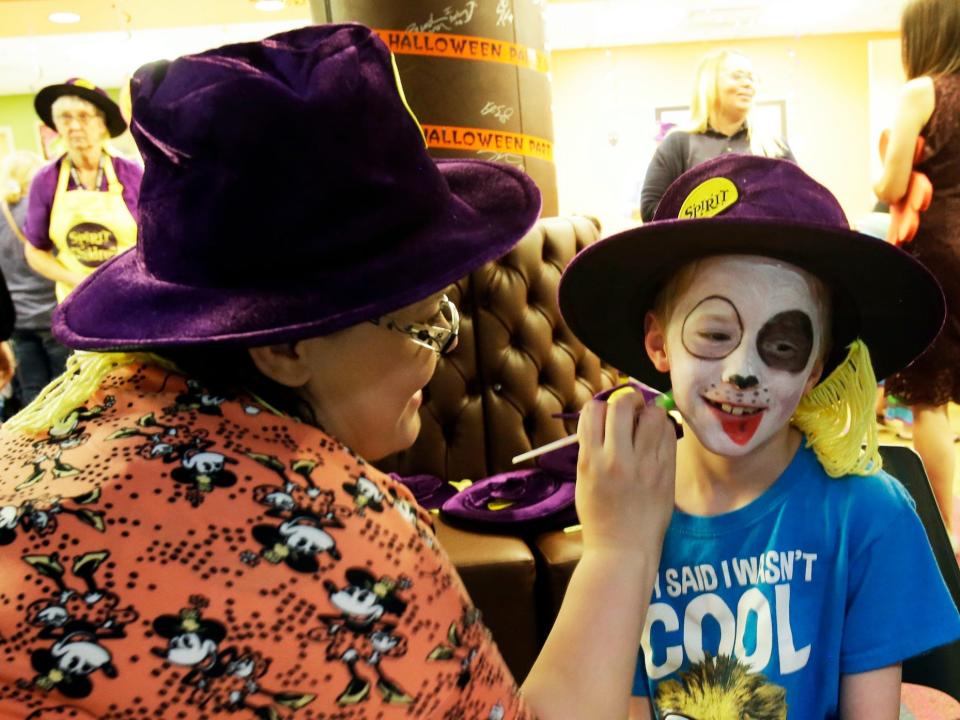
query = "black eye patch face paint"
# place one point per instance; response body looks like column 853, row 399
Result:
column 713, row 329
column 786, row 340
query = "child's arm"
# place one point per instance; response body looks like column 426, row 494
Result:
column 914, row 110
column 873, row 695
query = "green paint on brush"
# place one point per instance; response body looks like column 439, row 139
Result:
column 665, row 401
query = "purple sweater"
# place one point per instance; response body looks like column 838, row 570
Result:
column 44, row 186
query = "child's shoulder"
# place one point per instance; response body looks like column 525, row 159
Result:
column 856, row 511
column 878, row 495
column 878, row 490
column 869, row 506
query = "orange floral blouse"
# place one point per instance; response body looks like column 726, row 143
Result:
column 168, row 553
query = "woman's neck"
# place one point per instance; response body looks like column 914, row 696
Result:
column 86, row 160
column 712, row 484
column 727, row 125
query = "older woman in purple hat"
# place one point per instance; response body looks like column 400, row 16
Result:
column 189, row 524
column 82, row 209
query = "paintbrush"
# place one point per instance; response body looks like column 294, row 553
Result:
column 664, row 401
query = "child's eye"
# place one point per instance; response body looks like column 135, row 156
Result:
column 715, row 336
column 785, row 342
column 781, row 350
column 712, row 329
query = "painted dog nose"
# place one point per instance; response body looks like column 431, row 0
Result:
column 743, row 382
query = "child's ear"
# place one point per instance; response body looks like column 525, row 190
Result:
column 655, row 341
column 814, row 378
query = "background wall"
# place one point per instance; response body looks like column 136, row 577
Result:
column 16, row 112
column 605, row 100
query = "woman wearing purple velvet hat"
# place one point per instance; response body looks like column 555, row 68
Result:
column 189, row 526
column 82, row 209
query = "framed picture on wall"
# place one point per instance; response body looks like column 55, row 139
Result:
column 769, row 116
column 49, row 141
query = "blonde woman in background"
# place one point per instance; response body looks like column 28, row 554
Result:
column 723, row 96
column 39, row 357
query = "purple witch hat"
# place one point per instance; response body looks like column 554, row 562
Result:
column 528, row 500
column 288, row 193
column 85, row 90
column 429, row 491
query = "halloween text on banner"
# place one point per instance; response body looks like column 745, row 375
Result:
column 477, row 139
column 465, row 47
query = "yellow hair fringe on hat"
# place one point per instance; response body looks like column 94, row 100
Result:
column 84, row 375
column 837, row 416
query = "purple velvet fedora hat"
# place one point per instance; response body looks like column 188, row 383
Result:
column 515, row 501
column 85, row 90
column 746, row 205
column 288, row 193
column 429, row 491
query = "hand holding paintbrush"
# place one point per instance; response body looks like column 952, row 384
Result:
column 662, row 400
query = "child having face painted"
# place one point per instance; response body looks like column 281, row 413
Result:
column 795, row 575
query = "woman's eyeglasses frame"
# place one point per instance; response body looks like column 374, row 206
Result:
column 441, row 340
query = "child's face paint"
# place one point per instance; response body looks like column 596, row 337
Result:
column 742, row 343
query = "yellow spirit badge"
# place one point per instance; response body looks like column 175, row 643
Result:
column 709, row 198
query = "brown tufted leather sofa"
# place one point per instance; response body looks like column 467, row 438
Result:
column 516, row 365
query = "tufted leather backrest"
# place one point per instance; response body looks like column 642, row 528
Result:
column 516, row 364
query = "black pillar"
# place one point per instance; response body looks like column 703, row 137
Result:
column 475, row 73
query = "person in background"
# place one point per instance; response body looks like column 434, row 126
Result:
column 929, row 108
column 39, row 358
column 192, row 527
column 82, row 208
column 723, row 96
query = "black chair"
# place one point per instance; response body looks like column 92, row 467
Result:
column 939, row 668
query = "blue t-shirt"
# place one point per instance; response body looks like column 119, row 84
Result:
column 770, row 604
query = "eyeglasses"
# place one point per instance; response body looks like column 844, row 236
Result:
column 67, row 118
column 741, row 75
column 433, row 337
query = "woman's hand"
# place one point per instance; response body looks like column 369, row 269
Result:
column 44, row 263
column 625, row 474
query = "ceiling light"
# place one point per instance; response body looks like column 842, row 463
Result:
column 270, row 5
column 63, row 18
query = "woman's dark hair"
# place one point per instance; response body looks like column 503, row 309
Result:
column 930, row 38
column 231, row 371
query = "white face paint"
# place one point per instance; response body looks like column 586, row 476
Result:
column 742, row 341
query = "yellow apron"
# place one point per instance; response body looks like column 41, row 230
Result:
column 88, row 227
